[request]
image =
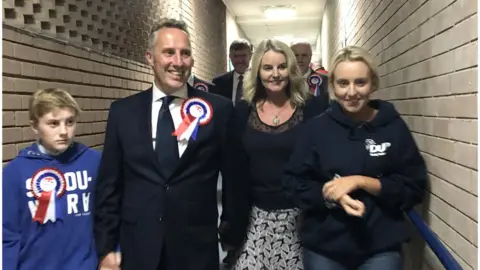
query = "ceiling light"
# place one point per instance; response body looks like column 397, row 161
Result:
column 280, row 12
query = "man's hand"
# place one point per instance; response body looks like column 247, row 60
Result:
column 110, row 262
column 352, row 207
column 338, row 187
column 221, row 230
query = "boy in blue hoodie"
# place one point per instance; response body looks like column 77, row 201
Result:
column 48, row 190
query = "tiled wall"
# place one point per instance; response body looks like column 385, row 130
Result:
column 427, row 56
column 39, row 51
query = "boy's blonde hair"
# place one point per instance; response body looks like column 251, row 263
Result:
column 46, row 100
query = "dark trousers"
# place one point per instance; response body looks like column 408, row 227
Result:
column 391, row 260
column 163, row 265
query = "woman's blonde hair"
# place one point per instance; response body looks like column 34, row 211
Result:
column 46, row 100
column 352, row 53
column 253, row 89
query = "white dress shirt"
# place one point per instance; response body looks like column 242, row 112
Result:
column 174, row 107
column 235, row 85
column 191, row 80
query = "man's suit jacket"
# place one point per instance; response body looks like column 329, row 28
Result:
column 202, row 85
column 139, row 208
column 224, row 85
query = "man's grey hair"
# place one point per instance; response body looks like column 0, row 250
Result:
column 300, row 42
column 165, row 23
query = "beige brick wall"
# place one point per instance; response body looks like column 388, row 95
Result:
column 35, row 58
column 31, row 62
column 207, row 23
column 427, row 56
column 117, row 27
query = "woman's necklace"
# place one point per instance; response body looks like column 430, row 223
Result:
column 276, row 118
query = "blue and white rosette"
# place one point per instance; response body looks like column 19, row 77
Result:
column 48, row 185
column 195, row 112
column 201, row 86
column 314, row 81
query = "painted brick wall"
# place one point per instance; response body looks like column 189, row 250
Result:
column 31, row 62
column 207, row 23
column 427, row 56
column 117, row 27
column 95, row 73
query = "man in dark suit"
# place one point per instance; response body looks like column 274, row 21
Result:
column 156, row 193
column 200, row 84
column 230, row 84
column 317, row 82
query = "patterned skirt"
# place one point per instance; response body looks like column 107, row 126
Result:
column 272, row 241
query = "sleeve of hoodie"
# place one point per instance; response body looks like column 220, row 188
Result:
column 405, row 186
column 11, row 203
column 301, row 179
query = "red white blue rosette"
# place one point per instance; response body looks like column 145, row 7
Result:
column 47, row 186
column 195, row 112
column 314, row 81
column 201, row 86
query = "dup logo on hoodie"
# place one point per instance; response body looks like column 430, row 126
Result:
column 376, row 150
column 77, row 194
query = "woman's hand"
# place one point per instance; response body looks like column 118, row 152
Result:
column 352, row 207
column 338, row 187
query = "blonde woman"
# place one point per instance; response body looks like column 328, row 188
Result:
column 354, row 172
column 268, row 122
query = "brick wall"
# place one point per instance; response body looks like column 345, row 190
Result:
column 117, row 27
column 207, row 23
column 31, row 62
column 427, row 56
column 39, row 51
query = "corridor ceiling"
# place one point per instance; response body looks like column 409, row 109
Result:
column 250, row 17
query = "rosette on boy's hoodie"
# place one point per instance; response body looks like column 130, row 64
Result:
column 48, row 186
column 195, row 112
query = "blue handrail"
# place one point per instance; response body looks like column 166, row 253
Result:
column 437, row 247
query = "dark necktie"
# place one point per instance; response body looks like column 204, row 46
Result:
column 166, row 146
column 239, row 93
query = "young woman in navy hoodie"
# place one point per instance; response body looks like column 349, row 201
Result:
column 354, row 173
column 48, row 192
